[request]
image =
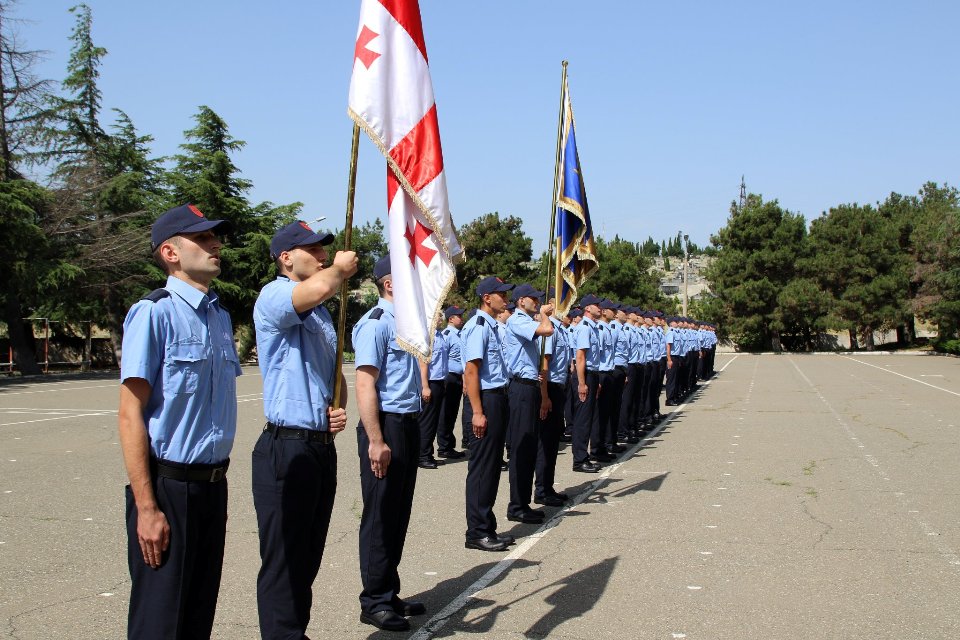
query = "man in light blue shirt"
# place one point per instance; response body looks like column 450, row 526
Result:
column 585, row 423
column 432, row 381
column 294, row 460
column 485, row 380
column 611, row 386
column 453, row 388
column 526, row 391
column 177, row 422
column 556, row 355
column 388, row 398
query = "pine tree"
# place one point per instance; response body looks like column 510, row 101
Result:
column 23, row 246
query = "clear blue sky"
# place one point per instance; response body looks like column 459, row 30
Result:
column 816, row 103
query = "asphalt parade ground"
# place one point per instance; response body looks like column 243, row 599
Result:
column 794, row 496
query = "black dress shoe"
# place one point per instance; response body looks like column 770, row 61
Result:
column 427, row 464
column 633, row 438
column 561, row 496
column 486, row 544
column 550, row 501
column 506, row 538
column 586, row 467
column 566, row 438
column 504, row 465
column 387, row 620
column 603, row 456
column 527, row 517
column 452, row 454
column 408, row 607
column 670, row 403
column 617, row 448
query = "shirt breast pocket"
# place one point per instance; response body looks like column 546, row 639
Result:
column 182, row 368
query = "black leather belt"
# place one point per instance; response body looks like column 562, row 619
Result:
column 190, row 472
column 498, row 391
column 529, row 383
column 289, row 433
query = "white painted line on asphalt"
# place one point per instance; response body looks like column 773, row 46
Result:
column 58, row 390
column 903, row 376
column 76, row 415
column 944, row 549
column 437, row 622
column 693, row 587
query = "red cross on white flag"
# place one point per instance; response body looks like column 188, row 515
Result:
column 391, row 98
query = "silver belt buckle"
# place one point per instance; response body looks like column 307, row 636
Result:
column 217, row 474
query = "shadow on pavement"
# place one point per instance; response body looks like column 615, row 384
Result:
column 569, row 597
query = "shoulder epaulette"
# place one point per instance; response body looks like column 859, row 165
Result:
column 377, row 313
column 156, row 295
column 481, row 320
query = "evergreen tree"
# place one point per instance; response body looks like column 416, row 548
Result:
column 496, row 247
column 24, row 254
column 103, row 185
column 758, row 251
column 936, row 249
column 856, row 258
column 205, row 175
column 624, row 275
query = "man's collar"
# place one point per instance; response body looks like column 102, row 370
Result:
column 191, row 295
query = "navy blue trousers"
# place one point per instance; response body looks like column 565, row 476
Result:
column 294, row 484
column 524, row 433
column 178, row 600
column 585, row 422
column 549, row 441
column 452, row 393
column 387, row 502
column 483, row 468
column 430, row 418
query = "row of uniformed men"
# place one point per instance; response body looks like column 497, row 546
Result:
column 601, row 374
column 178, row 413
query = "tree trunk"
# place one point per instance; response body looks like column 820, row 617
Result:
column 21, row 338
column 854, row 343
column 868, row 338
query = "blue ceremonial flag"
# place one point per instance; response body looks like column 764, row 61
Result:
column 576, row 251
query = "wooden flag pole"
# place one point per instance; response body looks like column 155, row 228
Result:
column 345, row 285
column 553, row 205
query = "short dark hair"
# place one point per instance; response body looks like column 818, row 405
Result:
column 381, row 289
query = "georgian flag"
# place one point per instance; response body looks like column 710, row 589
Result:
column 391, row 98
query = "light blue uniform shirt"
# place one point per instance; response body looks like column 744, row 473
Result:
column 587, row 339
column 438, row 358
column 182, row 345
column 452, row 336
column 522, row 351
column 636, row 345
column 375, row 345
column 297, row 353
column 557, row 347
column 622, row 351
column 607, row 344
column 482, row 339
column 670, row 337
column 660, row 340
column 646, row 344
